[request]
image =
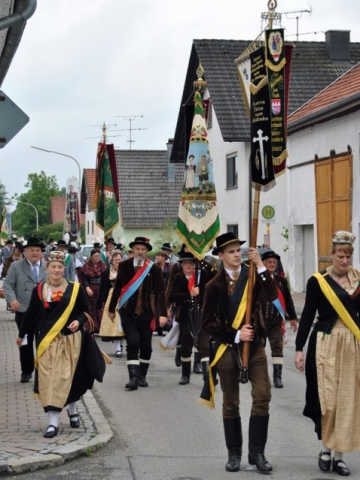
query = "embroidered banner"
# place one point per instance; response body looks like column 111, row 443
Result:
column 275, row 64
column 198, row 221
column 5, row 224
column 106, row 190
column 72, row 210
column 262, row 171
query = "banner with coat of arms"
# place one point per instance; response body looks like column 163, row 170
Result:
column 275, row 64
column 198, row 221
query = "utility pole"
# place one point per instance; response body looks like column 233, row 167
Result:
column 130, row 129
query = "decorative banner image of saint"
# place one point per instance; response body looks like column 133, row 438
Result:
column 199, row 179
column 198, row 220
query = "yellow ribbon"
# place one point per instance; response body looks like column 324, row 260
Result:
column 58, row 326
column 337, row 305
column 222, row 348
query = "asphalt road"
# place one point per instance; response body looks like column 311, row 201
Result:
column 162, row 433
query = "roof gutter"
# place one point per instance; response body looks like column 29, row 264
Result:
column 19, row 17
column 16, row 24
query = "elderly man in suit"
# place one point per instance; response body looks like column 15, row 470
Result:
column 19, row 283
column 139, row 294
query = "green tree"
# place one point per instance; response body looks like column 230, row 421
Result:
column 37, row 199
column 168, row 236
column 3, row 195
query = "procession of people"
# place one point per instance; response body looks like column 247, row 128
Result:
column 129, row 298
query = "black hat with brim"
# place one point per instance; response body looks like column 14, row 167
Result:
column 226, row 239
column 34, row 242
column 270, row 254
column 141, row 241
column 167, row 246
column 187, row 256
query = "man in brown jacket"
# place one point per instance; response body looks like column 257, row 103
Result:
column 139, row 293
column 223, row 295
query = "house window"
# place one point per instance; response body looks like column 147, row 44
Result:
column 233, row 229
column 92, row 227
column 88, row 227
column 231, row 172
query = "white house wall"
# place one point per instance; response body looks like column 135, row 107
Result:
column 319, row 140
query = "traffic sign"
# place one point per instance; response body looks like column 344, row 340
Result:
column 268, row 214
column 12, row 119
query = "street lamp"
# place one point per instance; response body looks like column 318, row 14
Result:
column 63, row 155
column 31, row 205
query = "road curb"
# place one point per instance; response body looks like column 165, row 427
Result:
column 70, row 451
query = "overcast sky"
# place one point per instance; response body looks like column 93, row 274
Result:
column 81, row 63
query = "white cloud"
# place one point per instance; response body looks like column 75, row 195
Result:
column 80, row 63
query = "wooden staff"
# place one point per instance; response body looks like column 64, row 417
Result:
column 244, row 375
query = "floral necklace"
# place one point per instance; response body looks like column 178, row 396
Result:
column 50, row 295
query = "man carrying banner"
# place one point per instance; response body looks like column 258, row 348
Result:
column 139, row 295
column 225, row 301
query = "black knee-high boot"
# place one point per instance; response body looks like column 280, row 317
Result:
column 186, row 371
column 258, row 429
column 197, row 363
column 277, row 376
column 134, row 377
column 142, row 374
column 178, row 356
column 233, row 440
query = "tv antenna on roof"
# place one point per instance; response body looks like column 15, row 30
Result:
column 104, row 135
column 298, row 14
column 130, row 129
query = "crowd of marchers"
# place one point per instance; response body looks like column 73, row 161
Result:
column 201, row 311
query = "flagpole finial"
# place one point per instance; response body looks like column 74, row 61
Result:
column 104, row 133
column 200, row 83
column 271, row 15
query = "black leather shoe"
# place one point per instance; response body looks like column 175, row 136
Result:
column 51, row 431
column 233, row 463
column 25, row 378
column 184, row 380
column 324, row 465
column 339, row 466
column 74, row 420
column 260, row 461
column 142, row 382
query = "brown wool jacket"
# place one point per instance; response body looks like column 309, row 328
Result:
column 216, row 320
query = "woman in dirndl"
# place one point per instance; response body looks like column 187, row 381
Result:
column 110, row 330
column 90, row 279
column 332, row 366
column 55, row 314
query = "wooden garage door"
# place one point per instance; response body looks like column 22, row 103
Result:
column 333, row 179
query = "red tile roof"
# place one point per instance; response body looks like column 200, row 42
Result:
column 88, row 188
column 57, row 210
column 344, row 87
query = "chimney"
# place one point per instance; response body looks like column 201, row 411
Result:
column 171, row 166
column 338, row 45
